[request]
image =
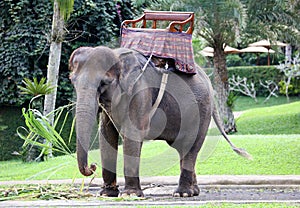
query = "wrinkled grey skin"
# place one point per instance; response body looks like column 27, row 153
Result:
column 114, row 80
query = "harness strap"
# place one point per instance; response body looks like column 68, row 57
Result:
column 162, row 88
column 140, row 75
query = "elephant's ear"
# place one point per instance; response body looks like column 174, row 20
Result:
column 130, row 71
column 114, row 72
column 125, row 66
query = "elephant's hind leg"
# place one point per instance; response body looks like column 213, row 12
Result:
column 109, row 150
column 188, row 150
column 195, row 185
column 187, row 186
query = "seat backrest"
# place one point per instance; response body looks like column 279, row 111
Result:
column 168, row 16
column 178, row 20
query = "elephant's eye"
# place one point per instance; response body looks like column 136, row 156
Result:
column 104, row 84
column 72, row 77
column 99, row 89
column 102, row 87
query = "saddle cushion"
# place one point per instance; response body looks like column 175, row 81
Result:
column 163, row 44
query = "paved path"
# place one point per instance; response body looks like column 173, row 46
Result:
column 237, row 114
column 173, row 180
column 158, row 191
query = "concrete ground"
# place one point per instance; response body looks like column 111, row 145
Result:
column 158, row 192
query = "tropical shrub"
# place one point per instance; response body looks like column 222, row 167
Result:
column 234, row 60
column 293, row 89
column 291, row 71
column 25, row 29
column 24, row 33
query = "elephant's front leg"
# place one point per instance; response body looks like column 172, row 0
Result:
column 132, row 152
column 109, row 150
column 135, row 127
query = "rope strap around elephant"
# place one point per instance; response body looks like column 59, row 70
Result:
column 162, row 88
column 140, row 75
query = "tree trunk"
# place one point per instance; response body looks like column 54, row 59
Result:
column 288, row 54
column 57, row 36
column 221, row 86
column 287, row 84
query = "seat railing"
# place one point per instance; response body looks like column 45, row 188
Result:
column 178, row 21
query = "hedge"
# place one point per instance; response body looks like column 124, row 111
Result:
column 256, row 73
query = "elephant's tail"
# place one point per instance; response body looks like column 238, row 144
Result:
column 240, row 151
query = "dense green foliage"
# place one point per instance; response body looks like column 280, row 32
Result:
column 23, row 49
column 24, row 36
column 25, row 28
column 252, row 59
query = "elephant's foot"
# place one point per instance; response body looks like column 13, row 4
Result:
column 196, row 190
column 188, row 191
column 131, row 192
column 110, row 191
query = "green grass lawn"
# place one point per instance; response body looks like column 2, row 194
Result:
column 270, row 134
column 230, row 205
column 275, row 155
column 282, row 119
column 245, row 103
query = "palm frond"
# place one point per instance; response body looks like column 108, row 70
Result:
column 65, row 7
column 270, row 19
column 39, row 127
column 36, row 87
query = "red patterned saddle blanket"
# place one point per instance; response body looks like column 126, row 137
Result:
column 163, row 44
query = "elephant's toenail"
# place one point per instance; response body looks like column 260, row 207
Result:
column 185, row 195
column 176, row 195
column 123, row 195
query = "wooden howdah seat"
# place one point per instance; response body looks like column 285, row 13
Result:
column 169, row 46
column 178, row 20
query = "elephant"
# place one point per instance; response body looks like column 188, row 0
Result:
column 122, row 86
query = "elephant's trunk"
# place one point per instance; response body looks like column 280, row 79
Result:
column 86, row 111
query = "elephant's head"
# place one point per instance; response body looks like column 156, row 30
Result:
column 94, row 73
